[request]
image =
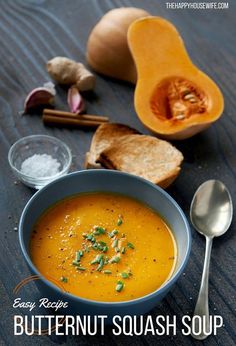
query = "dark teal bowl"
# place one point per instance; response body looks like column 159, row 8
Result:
column 107, row 181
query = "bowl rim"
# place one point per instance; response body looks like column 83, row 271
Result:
column 165, row 286
column 41, row 179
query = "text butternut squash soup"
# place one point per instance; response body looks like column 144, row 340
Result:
column 104, row 247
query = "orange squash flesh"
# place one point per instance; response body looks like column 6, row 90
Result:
column 162, row 62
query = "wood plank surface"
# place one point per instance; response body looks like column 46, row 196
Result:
column 33, row 31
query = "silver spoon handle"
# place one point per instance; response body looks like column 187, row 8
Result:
column 202, row 307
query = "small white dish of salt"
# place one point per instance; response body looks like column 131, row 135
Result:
column 39, row 159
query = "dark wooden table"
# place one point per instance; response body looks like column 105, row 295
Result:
column 31, row 32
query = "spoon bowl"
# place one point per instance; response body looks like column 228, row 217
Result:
column 211, row 209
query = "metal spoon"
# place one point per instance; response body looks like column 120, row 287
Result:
column 211, row 214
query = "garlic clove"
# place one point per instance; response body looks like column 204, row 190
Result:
column 40, row 97
column 50, row 87
column 75, row 100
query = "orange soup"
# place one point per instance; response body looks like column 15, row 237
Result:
column 104, row 247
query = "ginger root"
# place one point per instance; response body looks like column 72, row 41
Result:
column 70, row 72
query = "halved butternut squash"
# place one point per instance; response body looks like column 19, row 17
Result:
column 173, row 98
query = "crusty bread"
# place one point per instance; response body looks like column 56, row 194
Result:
column 105, row 136
column 148, row 157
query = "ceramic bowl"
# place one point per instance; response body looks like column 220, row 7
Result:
column 107, row 181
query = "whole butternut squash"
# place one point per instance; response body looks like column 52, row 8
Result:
column 107, row 47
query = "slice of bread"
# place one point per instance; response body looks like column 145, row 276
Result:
column 105, row 135
column 153, row 159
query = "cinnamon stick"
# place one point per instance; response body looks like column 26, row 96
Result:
column 76, row 121
column 67, row 115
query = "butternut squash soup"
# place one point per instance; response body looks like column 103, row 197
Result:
column 104, row 247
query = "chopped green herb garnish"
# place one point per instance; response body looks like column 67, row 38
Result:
column 64, row 279
column 90, row 237
column 105, row 248
column 113, row 233
column 119, row 222
column 100, row 257
column 97, row 259
column 101, row 264
column 94, row 261
column 99, row 230
column 106, row 260
column 81, row 268
column 102, row 243
column 95, row 246
column 115, row 259
column 130, row 245
column 102, row 246
column 115, row 243
column 119, row 286
column 78, row 255
column 76, row 263
column 107, row 272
